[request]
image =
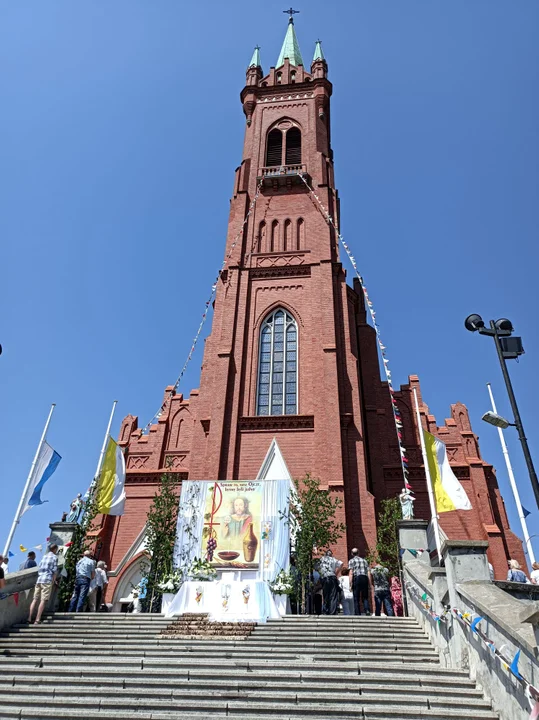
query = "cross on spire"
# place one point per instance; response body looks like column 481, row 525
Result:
column 291, row 12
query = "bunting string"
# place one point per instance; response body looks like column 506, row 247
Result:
column 426, row 604
column 472, row 621
column 207, row 306
column 396, row 412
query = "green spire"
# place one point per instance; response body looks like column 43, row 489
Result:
column 290, row 47
column 255, row 60
column 318, row 52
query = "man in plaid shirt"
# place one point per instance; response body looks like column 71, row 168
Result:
column 359, row 570
column 46, row 576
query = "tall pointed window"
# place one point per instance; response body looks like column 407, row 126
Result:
column 274, row 149
column 278, row 366
column 293, row 147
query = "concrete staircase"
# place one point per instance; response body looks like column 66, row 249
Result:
column 119, row 666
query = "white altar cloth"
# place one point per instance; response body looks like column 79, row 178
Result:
column 260, row 607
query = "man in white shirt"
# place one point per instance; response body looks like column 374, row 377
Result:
column 97, row 587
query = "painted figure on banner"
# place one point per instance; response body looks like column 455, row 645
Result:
column 232, row 518
column 237, row 523
column 407, row 501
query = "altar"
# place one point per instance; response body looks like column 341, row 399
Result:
column 232, row 540
column 226, row 601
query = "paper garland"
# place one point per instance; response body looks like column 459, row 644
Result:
column 396, row 412
column 209, row 301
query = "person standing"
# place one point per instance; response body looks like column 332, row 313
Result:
column 382, row 600
column 515, row 573
column 396, row 596
column 347, row 597
column 2, row 578
column 84, row 575
column 331, row 590
column 48, row 567
column 534, row 575
column 360, row 582
column 30, row 561
column 97, row 587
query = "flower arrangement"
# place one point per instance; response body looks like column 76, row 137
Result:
column 201, row 570
column 283, row 584
column 171, row 582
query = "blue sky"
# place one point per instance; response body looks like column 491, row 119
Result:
column 121, row 127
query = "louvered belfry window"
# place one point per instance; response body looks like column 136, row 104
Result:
column 293, row 147
column 274, row 150
column 278, row 366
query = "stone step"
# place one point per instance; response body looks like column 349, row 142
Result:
column 230, row 702
column 251, row 644
column 376, row 713
column 153, row 682
column 155, row 679
column 42, row 632
column 366, row 673
column 192, row 666
column 339, row 661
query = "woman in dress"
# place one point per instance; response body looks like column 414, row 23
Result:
column 395, row 590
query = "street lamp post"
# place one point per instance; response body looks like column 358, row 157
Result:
column 500, row 331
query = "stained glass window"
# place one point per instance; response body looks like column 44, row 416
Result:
column 277, row 373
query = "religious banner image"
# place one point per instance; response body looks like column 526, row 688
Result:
column 232, row 520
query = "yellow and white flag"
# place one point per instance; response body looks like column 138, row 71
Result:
column 448, row 492
column 110, row 488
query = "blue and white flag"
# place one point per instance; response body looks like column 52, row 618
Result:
column 46, row 463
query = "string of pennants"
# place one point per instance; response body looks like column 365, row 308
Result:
column 416, row 552
column 426, row 605
column 471, row 621
column 62, row 549
column 372, row 312
column 207, row 306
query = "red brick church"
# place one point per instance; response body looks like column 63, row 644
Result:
column 291, row 355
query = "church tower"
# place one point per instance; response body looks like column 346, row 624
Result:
column 291, row 355
column 281, row 360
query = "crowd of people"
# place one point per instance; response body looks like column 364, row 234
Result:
column 90, row 582
column 335, row 587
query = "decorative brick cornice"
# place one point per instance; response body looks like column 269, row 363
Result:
column 276, row 422
column 285, row 271
column 152, row 478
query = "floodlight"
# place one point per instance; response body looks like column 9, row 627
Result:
column 493, row 418
column 474, row 323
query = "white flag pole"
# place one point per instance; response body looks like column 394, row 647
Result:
column 17, row 517
column 513, row 483
column 105, row 439
column 432, row 503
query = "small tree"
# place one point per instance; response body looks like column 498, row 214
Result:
column 160, row 537
column 387, row 539
column 312, row 522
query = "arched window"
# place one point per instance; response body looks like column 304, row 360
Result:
column 293, row 147
column 274, row 241
column 279, row 78
column 287, row 242
column 278, row 366
column 293, row 76
column 274, row 149
column 300, row 235
column 261, row 245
